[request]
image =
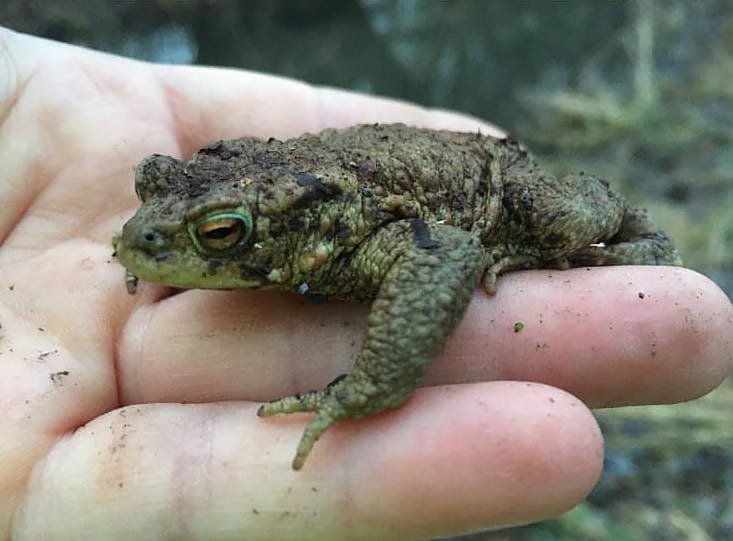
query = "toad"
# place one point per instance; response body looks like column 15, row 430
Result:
column 407, row 219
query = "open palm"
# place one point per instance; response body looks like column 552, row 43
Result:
column 134, row 416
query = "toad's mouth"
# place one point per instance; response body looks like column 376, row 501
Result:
column 184, row 271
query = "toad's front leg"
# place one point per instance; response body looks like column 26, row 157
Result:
column 425, row 274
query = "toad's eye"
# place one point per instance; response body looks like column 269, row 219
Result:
column 222, row 232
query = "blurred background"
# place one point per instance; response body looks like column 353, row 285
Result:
column 639, row 91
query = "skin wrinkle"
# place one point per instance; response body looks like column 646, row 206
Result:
column 8, row 82
column 27, row 192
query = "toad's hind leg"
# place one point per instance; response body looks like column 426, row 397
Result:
column 637, row 242
column 424, row 274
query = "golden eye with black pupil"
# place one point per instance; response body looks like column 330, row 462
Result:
column 221, row 232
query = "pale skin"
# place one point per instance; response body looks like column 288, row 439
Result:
column 95, row 440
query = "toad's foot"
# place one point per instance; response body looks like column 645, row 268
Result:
column 325, row 418
column 503, row 265
column 343, row 398
column 637, row 242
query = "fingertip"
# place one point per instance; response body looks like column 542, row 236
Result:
column 488, row 454
column 443, row 119
column 342, row 108
column 706, row 337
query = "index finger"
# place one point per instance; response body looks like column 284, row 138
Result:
column 214, row 103
column 588, row 331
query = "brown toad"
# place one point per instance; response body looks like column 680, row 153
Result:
column 410, row 219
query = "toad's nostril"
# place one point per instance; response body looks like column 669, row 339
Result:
column 151, row 239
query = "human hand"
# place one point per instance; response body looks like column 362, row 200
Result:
column 96, row 442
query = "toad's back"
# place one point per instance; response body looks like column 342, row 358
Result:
column 395, row 172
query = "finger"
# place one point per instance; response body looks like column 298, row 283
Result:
column 488, row 454
column 588, row 331
column 200, row 346
column 610, row 335
column 209, row 104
